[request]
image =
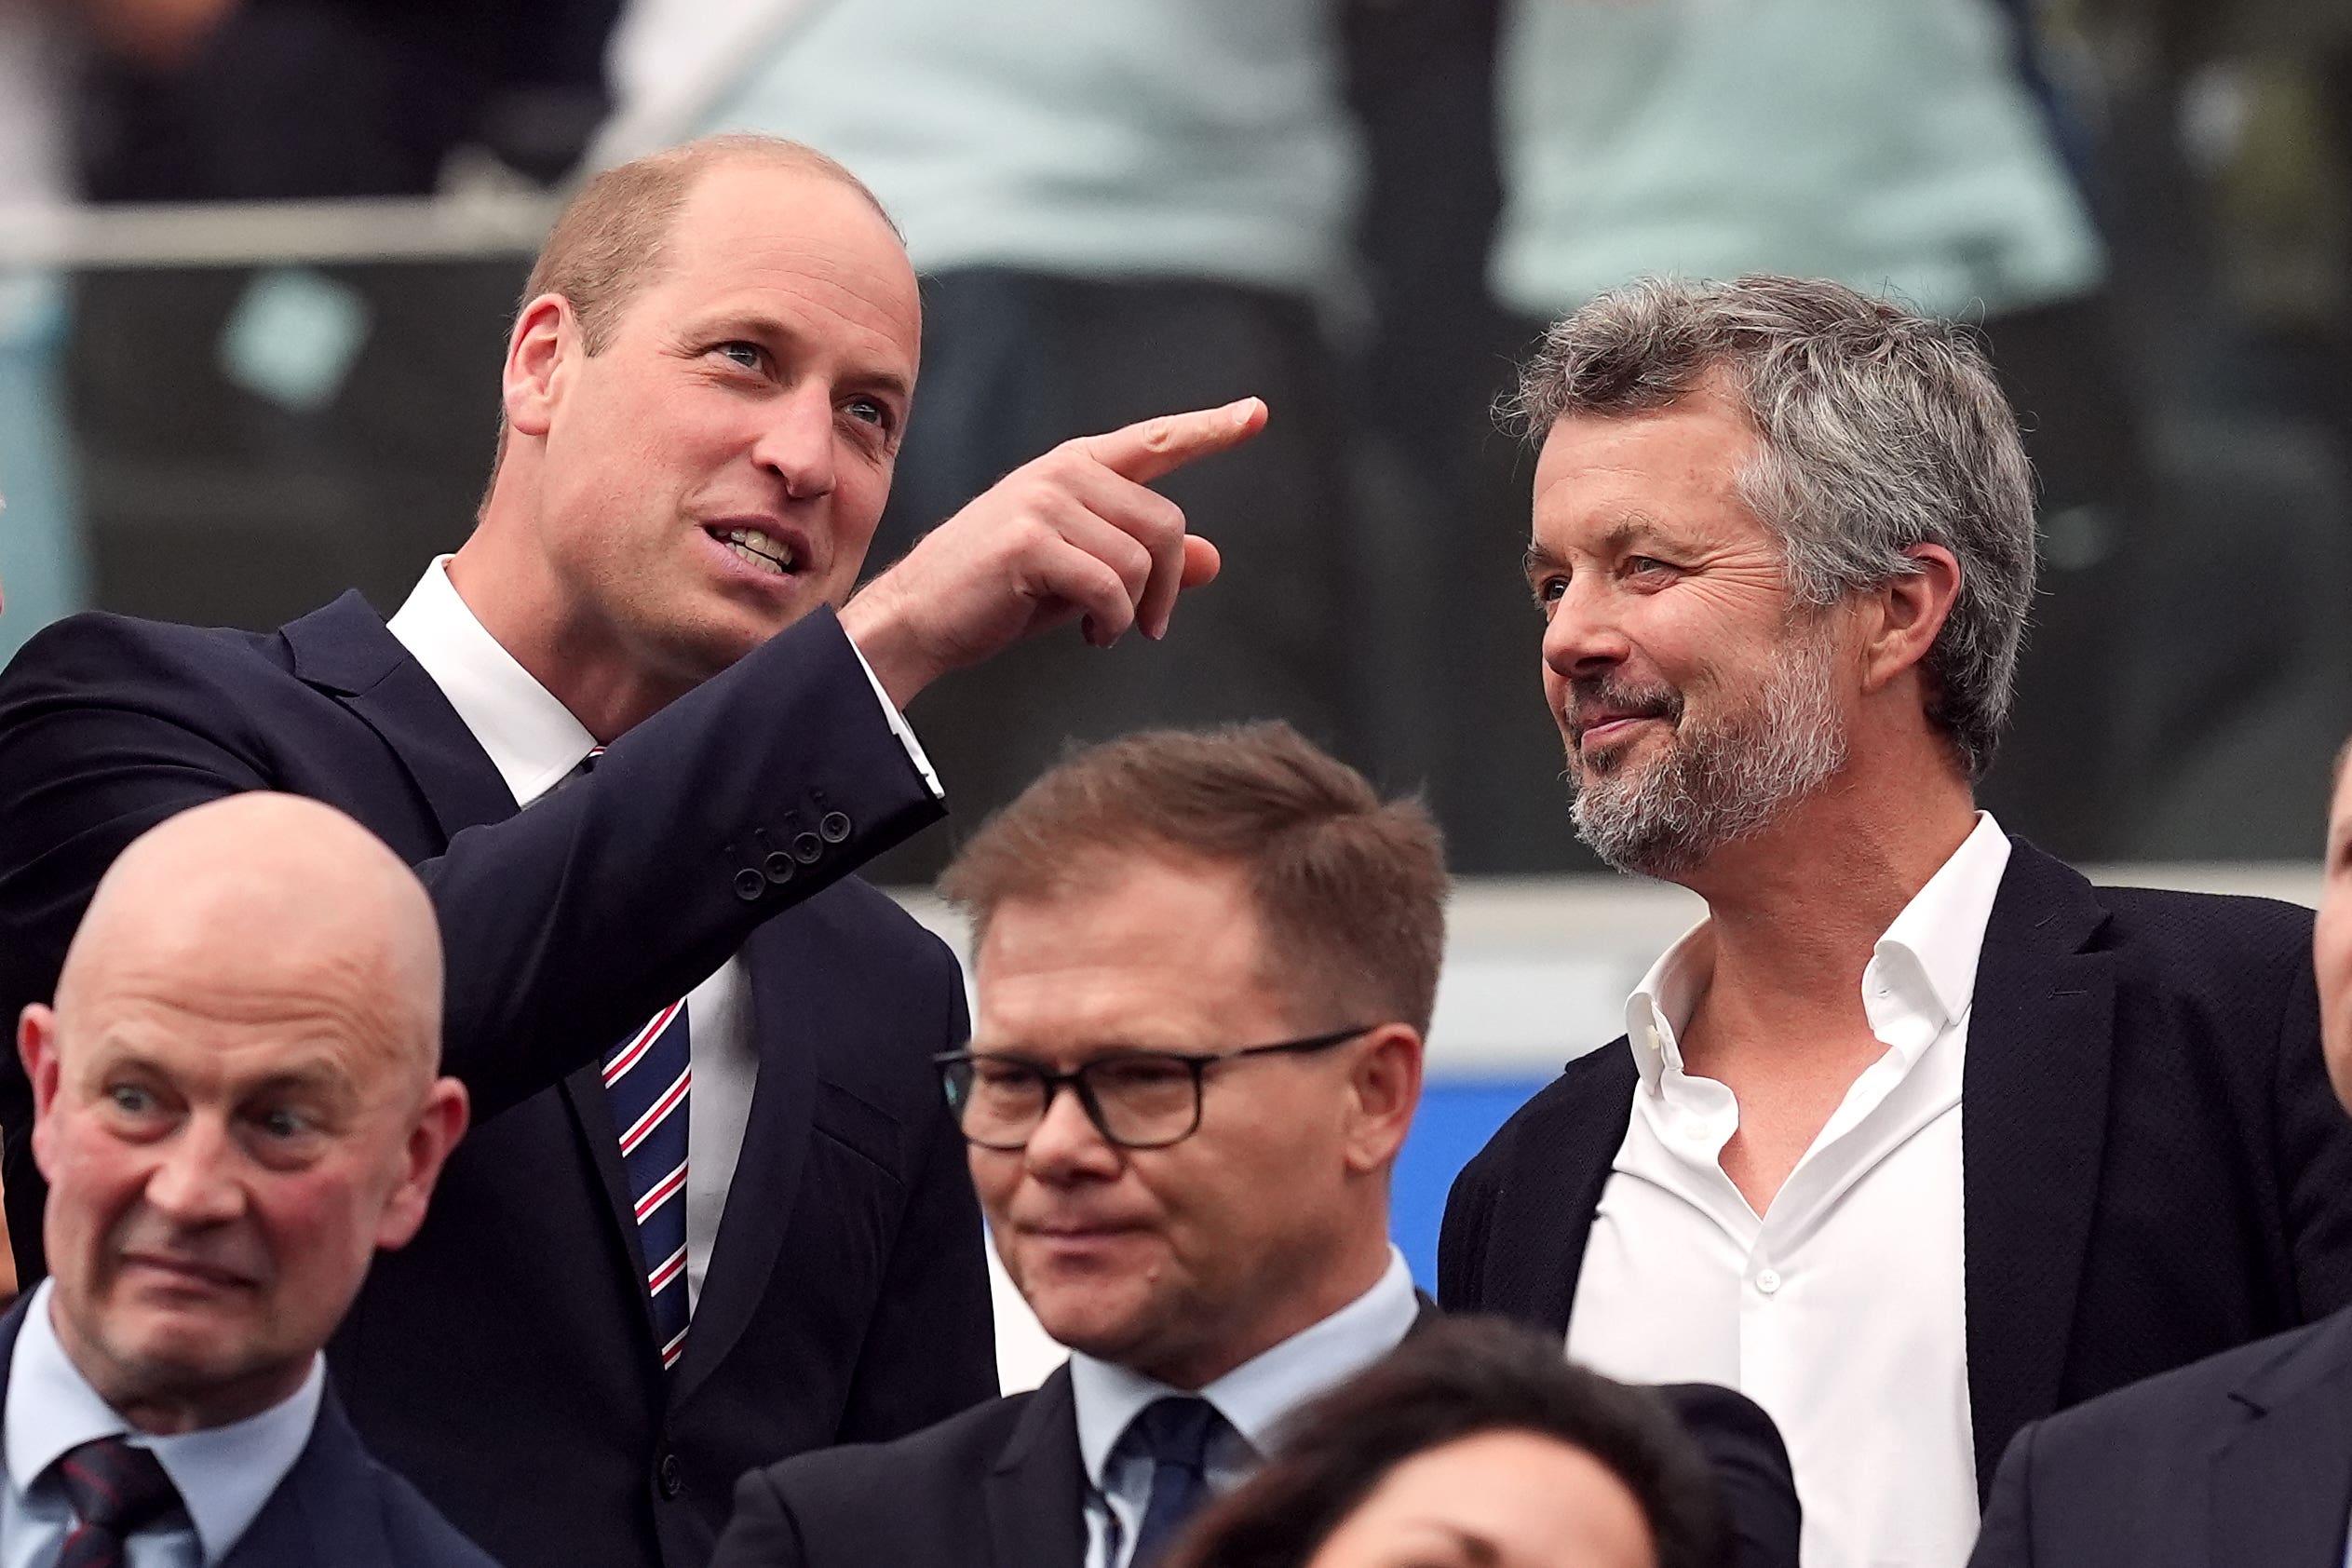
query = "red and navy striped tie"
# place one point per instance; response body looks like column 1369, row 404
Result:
column 647, row 1079
column 646, row 1082
column 116, row 1491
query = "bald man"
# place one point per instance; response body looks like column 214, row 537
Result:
column 237, row 1103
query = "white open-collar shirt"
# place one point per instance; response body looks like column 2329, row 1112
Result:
column 535, row 742
column 1842, row 1309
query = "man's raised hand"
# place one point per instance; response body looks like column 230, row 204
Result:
column 1074, row 534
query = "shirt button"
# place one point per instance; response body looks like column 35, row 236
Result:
column 1694, row 1131
column 1767, row 1282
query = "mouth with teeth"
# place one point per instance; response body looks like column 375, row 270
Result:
column 757, row 551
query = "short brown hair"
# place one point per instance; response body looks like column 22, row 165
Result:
column 613, row 239
column 1350, row 889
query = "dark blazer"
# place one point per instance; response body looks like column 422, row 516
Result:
column 1003, row 1486
column 2243, row 1458
column 2155, row 1167
column 336, row 1505
column 505, row 1360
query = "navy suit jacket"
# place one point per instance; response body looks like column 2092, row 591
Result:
column 505, row 1360
column 2155, row 1167
column 2243, row 1458
column 336, row 1505
column 1003, row 1486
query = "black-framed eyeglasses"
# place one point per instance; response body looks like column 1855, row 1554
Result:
column 1137, row 1100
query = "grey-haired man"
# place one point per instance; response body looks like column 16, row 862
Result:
column 1783, row 545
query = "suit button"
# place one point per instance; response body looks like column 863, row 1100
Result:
column 806, row 847
column 835, row 827
column 779, row 866
column 750, row 884
column 671, row 1475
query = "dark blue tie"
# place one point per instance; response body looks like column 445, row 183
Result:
column 117, row 1489
column 1174, row 1434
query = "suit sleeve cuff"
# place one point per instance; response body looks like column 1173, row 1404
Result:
column 899, row 725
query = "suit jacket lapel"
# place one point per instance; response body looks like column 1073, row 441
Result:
column 1545, row 1205
column 2282, row 1480
column 320, row 1510
column 1036, row 1495
column 776, row 1135
column 2034, row 1092
column 344, row 648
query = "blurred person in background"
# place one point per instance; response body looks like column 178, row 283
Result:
column 1472, row 1445
column 638, row 743
column 237, row 1105
column 258, row 437
column 41, row 548
column 1918, row 1136
column 1903, row 147
column 2242, row 1458
column 1225, row 947
column 1116, row 206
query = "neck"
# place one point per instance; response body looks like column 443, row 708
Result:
column 1795, row 911
column 169, row 1408
column 1320, row 1291
column 580, row 658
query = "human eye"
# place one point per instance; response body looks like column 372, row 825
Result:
column 743, row 355
column 871, row 410
column 131, row 1100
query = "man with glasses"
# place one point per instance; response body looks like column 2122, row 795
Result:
column 1225, row 948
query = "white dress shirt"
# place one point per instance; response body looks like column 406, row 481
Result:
column 224, row 1474
column 1254, row 1399
column 1842, row 1309
column 535, row 742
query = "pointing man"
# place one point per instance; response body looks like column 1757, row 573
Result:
column 635, row 753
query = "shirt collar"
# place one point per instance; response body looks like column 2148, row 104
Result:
column 531, row 737
column 224, row 1474
column 1930, row 951
column 1257, row 1394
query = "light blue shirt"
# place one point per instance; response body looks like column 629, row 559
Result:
column 224, row 1474
column 1254, row 1399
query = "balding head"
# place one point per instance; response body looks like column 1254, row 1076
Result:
column 257, row 894
column 236, row 1102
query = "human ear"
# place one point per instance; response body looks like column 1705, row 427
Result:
column 1910, row 615
column 1384, row 1092
column 38, row 1049
column 439, row 1124
column 545, row 335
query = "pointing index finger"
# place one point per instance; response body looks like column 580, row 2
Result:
column 1145, row 451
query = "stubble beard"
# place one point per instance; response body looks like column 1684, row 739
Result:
column 1718, row 780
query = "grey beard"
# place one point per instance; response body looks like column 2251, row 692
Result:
column 1719, row 784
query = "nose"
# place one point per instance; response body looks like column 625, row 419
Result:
column 1067, row 1145
column 1582, row 636
column 196, row 1181
column 796, row 442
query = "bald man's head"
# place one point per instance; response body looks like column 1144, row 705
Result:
column 246, row 894
column 236, row 1102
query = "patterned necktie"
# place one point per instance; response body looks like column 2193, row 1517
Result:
column 1174, row 1435
column 116, row 1491
column 647, row 1082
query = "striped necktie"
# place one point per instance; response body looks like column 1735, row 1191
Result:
column 116, row 1491
column 647, row 1082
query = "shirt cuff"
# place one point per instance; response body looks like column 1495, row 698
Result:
column 898, row 724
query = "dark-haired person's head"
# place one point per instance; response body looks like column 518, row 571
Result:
column 1152, row 913
column 1474, row 1445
